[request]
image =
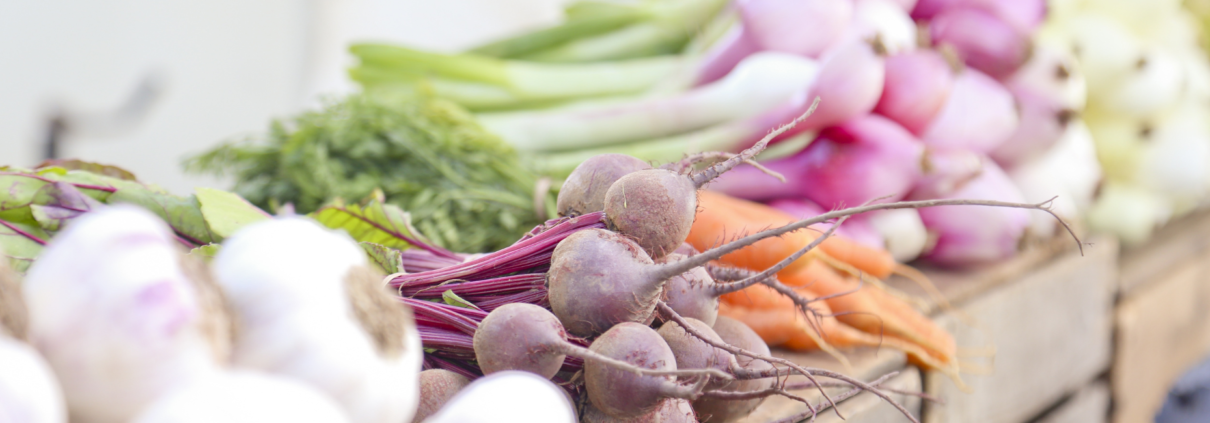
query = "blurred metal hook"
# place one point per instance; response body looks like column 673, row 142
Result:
column 63, row 121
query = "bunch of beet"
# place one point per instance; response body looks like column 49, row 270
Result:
column 607, row 302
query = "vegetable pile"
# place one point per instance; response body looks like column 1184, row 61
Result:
column 921, row 99
column 291, row 309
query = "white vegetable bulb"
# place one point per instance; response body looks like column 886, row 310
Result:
column 244, row 397
column 1069, row 170
column 1054, row 73
column 903, row 231
column 1138, row 14
column 1175, row 160
column 508, row 396
column 310, row 308
column 1154, row 84
column 1106, row 49
column 1119, row 142
column 1128, row 212
column 29, row 392
column 115, row 316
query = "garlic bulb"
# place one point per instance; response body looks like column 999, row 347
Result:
column 244, row 397
column 310, row 308
column 114, row 314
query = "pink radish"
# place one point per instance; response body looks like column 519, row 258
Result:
column 979, row 115
column 803, row 27
column 969, row 236
column 849, row 84
column 918, row 83
column 982, row 40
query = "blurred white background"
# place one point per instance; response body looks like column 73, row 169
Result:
column 225, row 67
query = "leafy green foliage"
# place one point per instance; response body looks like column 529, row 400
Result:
column 465, row 189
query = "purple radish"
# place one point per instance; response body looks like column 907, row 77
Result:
column 437, row 386
column 671, row 410
column 979, row 115
column 862, row 159
column 970, row 236
column 917, row 86
column 584, row 190
column 927, row 9
column 621, row 393
column 1024, row 15
column 1043, row 122
column 693, row 353
column 740, row 335
column 857, row 228
column 982, row 40
column 906, row 5
column 732, row 49
column 1053, row 73
column 802, row 27
column 849, row 83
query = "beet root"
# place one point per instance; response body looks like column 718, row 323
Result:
column 740, row 335
column 598, row 278
column 520, row 336
column 623, row 394
column 656, row 207
column 692, row 353
column 691, row 294
column 584, row 190
column 437, row 386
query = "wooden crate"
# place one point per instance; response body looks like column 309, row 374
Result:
column 1015, row 304
column 1089, row 405
column 1048, row 315
column 1162, row 318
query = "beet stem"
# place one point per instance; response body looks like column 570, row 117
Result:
column 859, row 386
column 693, row 159
column 675, row 268
column 767, row 273
column 708, row 174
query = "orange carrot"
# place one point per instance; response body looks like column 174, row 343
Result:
column 873, row 310
column 721, row 218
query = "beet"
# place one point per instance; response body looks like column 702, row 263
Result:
column 437, row 386
column 693, row 353
column 584, row 190
column 671, row 410
column 623, row 394
column 520, row 336
column 740, row 335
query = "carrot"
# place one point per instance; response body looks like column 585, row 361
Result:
column 721, row 218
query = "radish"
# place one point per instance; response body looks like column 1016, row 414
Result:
column 904, row 232
column 118, row 318
column 1043, row 122
column 437, row 386
column 243, row 397
column 740, row 335
column 849, row 83
column 802, row 27
column 857, row 228
column 735, row 45
column 584, row 190
column 693, row 353
column 918, row 83
column 507, row 397
column 881, row 19
column 1050, row 90
column 311, row 308
column 857, row 161
column 529, row 338
column 979, row 115
column 975, row 236
column 761, row 82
